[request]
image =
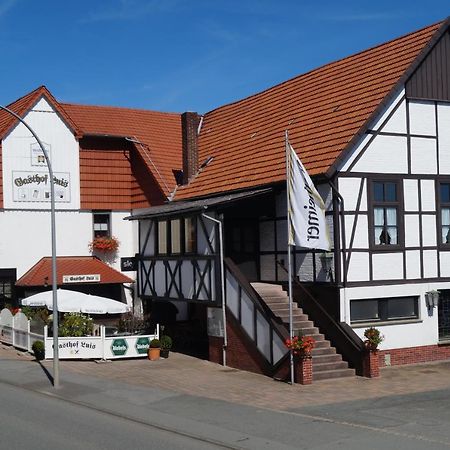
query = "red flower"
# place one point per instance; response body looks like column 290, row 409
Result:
column 301, row 345
column 104, row 244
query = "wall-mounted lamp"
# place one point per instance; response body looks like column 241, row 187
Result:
column 432, row 299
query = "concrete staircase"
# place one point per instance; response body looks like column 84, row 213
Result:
column 327, row 364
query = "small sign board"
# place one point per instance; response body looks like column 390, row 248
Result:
column 119, row 347
column 92, row 278
column 142, row 345
column 128, row 264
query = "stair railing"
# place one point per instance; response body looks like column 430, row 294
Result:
column 255, row 318
column 340, row 334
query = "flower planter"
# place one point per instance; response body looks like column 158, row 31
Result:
column 39, row 355
column 303, row 369
column 153, row 353
column 164, row 353
column 104, row 244
column 371, row 364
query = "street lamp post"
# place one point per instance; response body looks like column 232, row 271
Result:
column 53, row 233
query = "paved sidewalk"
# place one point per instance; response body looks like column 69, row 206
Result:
column 186, row 375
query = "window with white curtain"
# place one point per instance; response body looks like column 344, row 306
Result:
column 445, row 212
column 385, row 203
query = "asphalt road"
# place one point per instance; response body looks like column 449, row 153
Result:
column 33, row 421
column 93, row 413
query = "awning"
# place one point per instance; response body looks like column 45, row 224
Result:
column 187, row 207
column 72, row 270
column 73, row 301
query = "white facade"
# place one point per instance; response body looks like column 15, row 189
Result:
column 409, row 145
column 25, row 218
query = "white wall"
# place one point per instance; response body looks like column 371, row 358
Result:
column 424, row 331
column 27, row 237
column 20, row 153
column 25, row 220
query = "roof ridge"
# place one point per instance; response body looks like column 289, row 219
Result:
column 317, row 69
column 29, row 94
column 121, row 108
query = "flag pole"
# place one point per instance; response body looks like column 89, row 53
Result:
column 289, row 231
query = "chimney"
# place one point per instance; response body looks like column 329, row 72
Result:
column 189, row 126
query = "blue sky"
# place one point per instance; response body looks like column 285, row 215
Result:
column 180, row 55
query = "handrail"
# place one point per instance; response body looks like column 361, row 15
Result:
column 342, row 336
column 259, row 305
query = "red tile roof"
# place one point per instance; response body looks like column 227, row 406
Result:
column 25, row 103
column 157, row 135
column 41, row 273
column 323, row 110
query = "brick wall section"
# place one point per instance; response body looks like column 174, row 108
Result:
column 371, row 365
column 414, row 355
column 241, row 353
column 303, row 371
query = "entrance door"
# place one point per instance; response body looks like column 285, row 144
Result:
column 241, row 245
column 444, row 315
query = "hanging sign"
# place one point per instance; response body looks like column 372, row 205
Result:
column 128, row 264
column 94, row 278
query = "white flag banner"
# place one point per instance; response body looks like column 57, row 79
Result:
column 306, row 210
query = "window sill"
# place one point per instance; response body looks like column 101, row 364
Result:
column 444, row 342
column 385, row 323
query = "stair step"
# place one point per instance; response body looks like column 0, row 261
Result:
column 327, row 363
column 326, row 358
column 298, row 315
column 329, row 374
column 274, row 298
column 283, row 307
column 268, row 289
column 321, row 345
column 324, row 367
column 298, row 321
column 306, row 331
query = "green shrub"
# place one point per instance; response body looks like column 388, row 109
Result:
column 38, row 346
column 166, row 342
column 76, row 325
column 155, row 343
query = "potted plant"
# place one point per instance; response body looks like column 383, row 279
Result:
column 38, row 348
column 166, row 345
column 154, row 350
column 104, row 244
column 301, row 346
column 371, row 362
column 373, row 338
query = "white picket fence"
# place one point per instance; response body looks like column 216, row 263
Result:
column 20, row 332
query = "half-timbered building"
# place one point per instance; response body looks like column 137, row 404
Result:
column 373, row 130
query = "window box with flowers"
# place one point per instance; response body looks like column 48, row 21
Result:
column 301, row 348
column 104, row 244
